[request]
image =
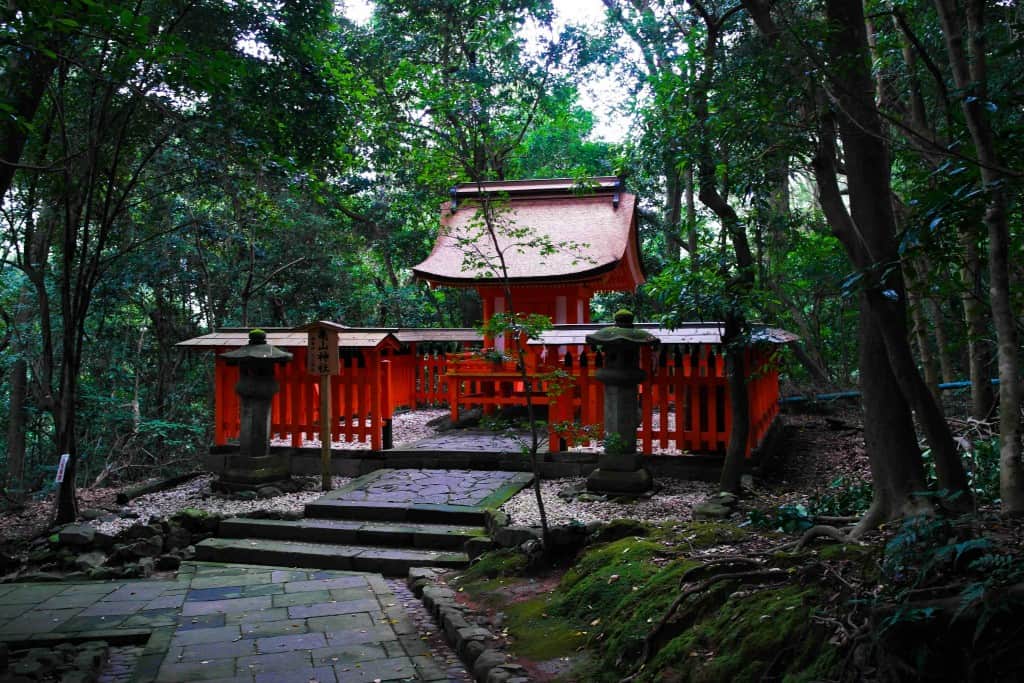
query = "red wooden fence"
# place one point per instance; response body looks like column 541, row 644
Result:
column 361, row 400
column 684, row 402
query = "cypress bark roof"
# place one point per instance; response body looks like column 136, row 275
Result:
column 549, row 231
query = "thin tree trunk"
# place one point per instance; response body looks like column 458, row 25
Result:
column 920, row 329
column 16, row 426
column 970, row 76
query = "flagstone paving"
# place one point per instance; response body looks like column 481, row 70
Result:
column 219, row 622
column 440, row 487
column 472, row 440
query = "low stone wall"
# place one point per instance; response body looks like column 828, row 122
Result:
column 474, row 644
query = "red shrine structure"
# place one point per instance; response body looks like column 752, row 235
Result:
column 562, row 242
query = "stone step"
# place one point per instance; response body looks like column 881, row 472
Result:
column 387, row 561
column 430, row 513
column 350, row 531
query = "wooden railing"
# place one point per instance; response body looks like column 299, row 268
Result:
column 361, row 401
column 684, row 402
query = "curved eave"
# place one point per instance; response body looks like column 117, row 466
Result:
column 581, row 277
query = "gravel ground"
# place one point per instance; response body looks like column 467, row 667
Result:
column 673, row 500
column 406, row 428
column 197, row 494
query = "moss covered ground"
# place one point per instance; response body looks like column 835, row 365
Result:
column 605, row 604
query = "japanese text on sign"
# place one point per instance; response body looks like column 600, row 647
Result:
column 322, row 352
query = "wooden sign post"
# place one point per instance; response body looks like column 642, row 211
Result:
column 322, row 359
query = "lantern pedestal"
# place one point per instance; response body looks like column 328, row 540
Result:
column 254, row 465
column 619, row 468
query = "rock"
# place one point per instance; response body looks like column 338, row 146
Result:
column 487, row 660
column 469, row 418
column 477, row 546
column 146, row 566
column 453, row 620
column 8, row 563
column 77, row 535
column 466, row 635
column 570, row 492
column 513, row 536
column 77, row 677
column 177, row 537
column 471, row 651
column 41, row 576
column 567, row 536
column 129, row 552
column 727, row 499
column 89, row 561
column 617, row 482
column 496, row 519
column 104, row 541
column 168, row 563
column 710, row 509
column 102, row 574
column 139, row 531
column 196, row 520
column 269, row 492
column 505, row 673
column 92, row 513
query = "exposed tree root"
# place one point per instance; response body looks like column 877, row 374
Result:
column 770, row 575
column 820, row 530
column 815, row 531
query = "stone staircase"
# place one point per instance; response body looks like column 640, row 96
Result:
column 355, row 529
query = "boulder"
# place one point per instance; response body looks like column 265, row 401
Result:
column 77, row 535
column 487, row 660
column 269, row 492
column 177, row 537
column 168, row 562
column 477, row 546
column 513, row 536
column 710, row 509
column 89, row 561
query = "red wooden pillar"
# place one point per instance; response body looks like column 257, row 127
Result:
column 646, row 401
column 373, row 410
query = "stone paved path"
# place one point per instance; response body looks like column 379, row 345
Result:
column 435, row 487
column 474, row 440
column 217, row 622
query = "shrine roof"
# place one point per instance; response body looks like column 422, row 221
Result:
column 550, row 231
column 348, row 337
column 686, row 333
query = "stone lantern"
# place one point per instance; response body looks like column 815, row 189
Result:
column 619, row 468
column 254, row 465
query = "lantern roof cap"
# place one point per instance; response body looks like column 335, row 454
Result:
column 257, row 351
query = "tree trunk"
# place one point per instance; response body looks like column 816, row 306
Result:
column 874, row 239
column 972, row 299
column 16, row 426
column 23, row 83
column 736, row 372
column 970, row 76
column 897, row 472
column 673, row 209
column 920, row 329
